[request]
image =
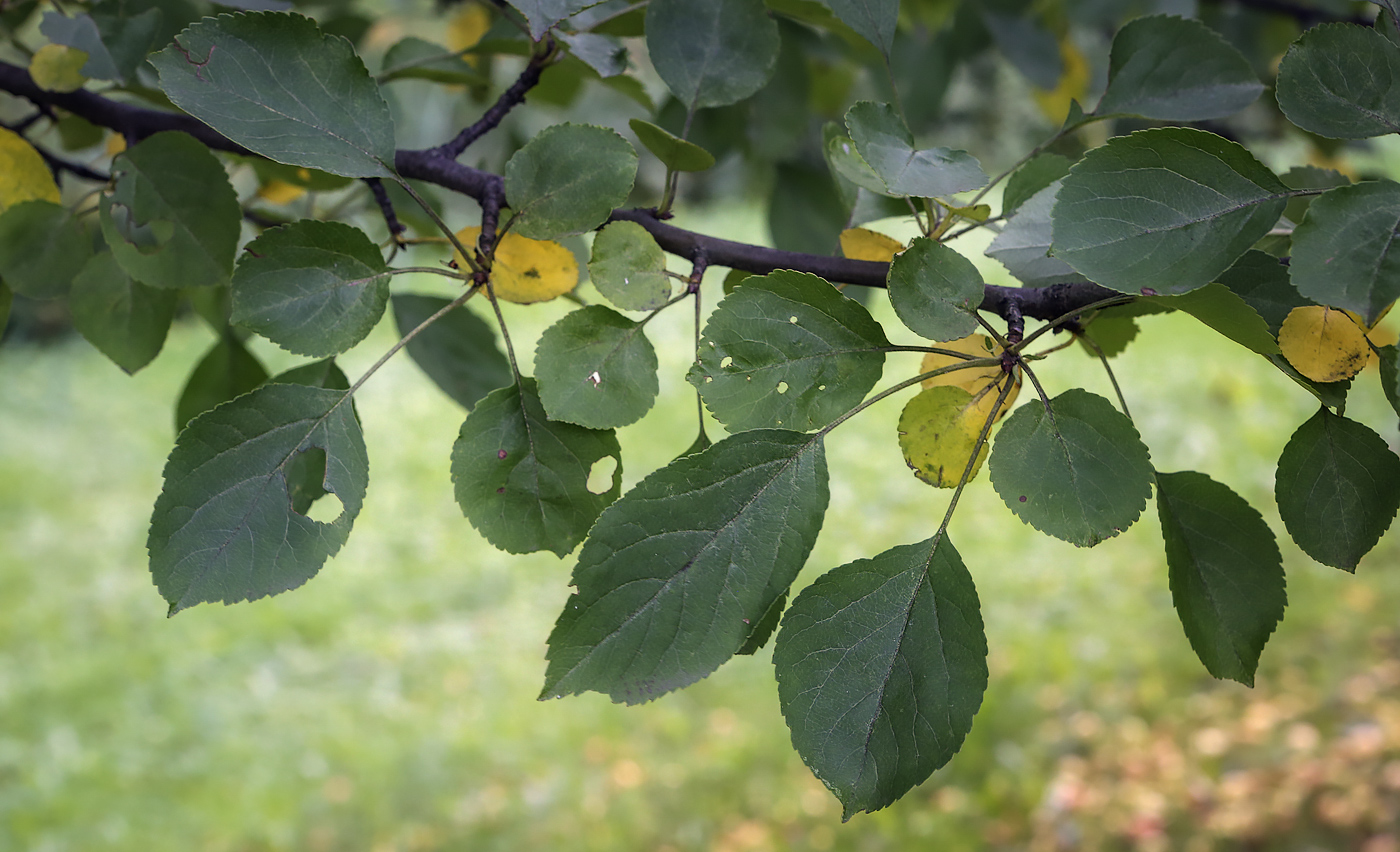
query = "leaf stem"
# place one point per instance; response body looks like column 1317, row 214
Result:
column 430, row 270
column 403, row 341
column 1098, row 350
column 907, row 383
column 972, row 459
column 1066, row 317
column 1044, row 398
column 505, row 332
column 442, row 226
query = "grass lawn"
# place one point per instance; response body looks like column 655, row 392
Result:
column 390, row 703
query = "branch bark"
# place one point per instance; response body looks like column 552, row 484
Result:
column 432, row 165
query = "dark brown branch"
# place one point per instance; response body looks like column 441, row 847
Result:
column 433, row 166
column 509, row 99
column 1305, row 15
column 58, row 164
column 386, row 207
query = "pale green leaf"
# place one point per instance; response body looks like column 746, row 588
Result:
column 224, row 527
column 568, row 179
column 1164, row 211
column 1225, row 572
column 885, row 143
column 1078, row 472
column 522, row 479
column 673, row 151
column 313, row 288
column 543, row 14
column 678, row 574
column 1023, row 246
column 277, row 85
column 881, row 665
column 1338, row 489
column 413, row 58
column 629, row 268
column 787, row 349
column 596, row 368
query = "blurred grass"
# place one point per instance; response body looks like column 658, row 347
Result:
column 390, row 703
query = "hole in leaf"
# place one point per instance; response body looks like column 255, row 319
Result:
column 821, row 387
column 782, row 387
column 306, row 475
column 327, row 510
column 600, row 476
column 792, row 320
column 725, row 362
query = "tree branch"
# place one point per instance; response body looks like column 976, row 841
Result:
column 1305, row 15
column 509, row 99
column 433, row 166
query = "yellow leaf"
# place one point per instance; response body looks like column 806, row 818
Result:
column 280, row 192
column 58, row 68
column 23, row 174
column 865, row 244
column 938, row 431
column 1323, row 344
column 526, row 270
column 1073, row 85
column 116, row 143
column 973, row 379
column 467, row 27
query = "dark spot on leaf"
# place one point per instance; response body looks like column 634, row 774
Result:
column 1023, row 498
column 532, row 273
column 501, row 490
column 1148, row 291
column 500, row 454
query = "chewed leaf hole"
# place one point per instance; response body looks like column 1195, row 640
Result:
column 600, row 476
column 326, row 510
column 782, row 387
column 725, row 362
column 306, row 473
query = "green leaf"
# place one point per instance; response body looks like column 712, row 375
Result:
column 1174, row 69
column 172, row 219
column 1261, row 280
column 1025, row 41
column 881, row 665
column 1164, row 211
column 805, row 211
column 317, row 374
column 678, row 574
column 1023, row 246
column 596, row 368
column 114, row 50
column 126, row 320
column 313, row 288
column 312, row 180
column 1225, row 572
column 787, row 349
column 1308, row 177
column 522, row 479
column 849, row 169
column 568, row 179
column 1079, row 473
column 712, row 52
column 543, row 14
column 1341, row 81
column 764, row 629
column 224, row 527
column 1223, row 310
column 886, row 144
column 7, row 300
column 277, row 85
column 306, row 473
column 875, row 20
column 673, row 152
column 416, row 59
column 603, row 53
column 1344, row 252
column 1038, row 173
column 935, row 290
column 1111, row 334
column 228, row 370
column 1338, row 489
column 1389, row 370
column 629, row 268
column 458, row 351
column 42, row 247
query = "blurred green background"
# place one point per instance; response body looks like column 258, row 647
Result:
column 390, row 703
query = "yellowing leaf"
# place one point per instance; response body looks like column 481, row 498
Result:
column 1073, row 85
column 280, row 192
column 865, row 244
column 1323, row 344
column 938, row 431
column 58, row 68
column 116, row 143
column 526, row 270
column 23, row 174
column 467, row 27
column 972, row 379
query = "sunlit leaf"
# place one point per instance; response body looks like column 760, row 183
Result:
column 1338, row 489
column 1176, row 69
column 935, row 290
column 314, row 288
column 126, row 320
column 1225, row 572
column 596, row 368
column 277, row 85
column 865, row 244
column 887, row 146
column 1344, row 251
column 971, row 379
column 679, row 573
column 938, row 431
column 58, row 68
column 172, row 219
column 1341, row 81
column 786, row 349
column 881, row 665
column 1324, row 344
column 1078, row 472
column 522, row 479
column 629, row 268
column 224, row 527
column 458, row 351
column 568, row 179
column 711, row 52
column 1164, row 211
column 673, row 152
